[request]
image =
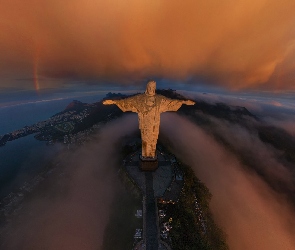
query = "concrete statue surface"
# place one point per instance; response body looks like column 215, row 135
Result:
column 149, row 106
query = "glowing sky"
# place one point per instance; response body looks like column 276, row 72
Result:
column 233, row 43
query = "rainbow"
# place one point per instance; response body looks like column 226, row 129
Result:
column 35, row 69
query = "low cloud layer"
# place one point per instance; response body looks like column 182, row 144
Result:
column 72, row 212
column 249, row 211
column 231, row 43
column 276, row 110
column 287, row 124
column 261, row 157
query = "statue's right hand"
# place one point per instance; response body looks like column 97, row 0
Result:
column 189, row 102
column 108, row 102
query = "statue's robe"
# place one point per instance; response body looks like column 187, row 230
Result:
column 149, row 109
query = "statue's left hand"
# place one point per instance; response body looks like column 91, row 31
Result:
column 108, row 102
column 189, row 102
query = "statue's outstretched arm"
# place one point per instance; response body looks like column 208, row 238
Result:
column 109, row 102
column 127, row 104
column 188, row 102
column 173, row 104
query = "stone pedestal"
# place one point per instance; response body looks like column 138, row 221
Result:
column 148, row 164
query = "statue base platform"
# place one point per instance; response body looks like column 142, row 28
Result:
column 148, row 163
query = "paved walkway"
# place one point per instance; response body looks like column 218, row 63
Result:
column 162, row 177
column 151, row 230
column 153, row 185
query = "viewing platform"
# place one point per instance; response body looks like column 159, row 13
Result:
column 164, row 184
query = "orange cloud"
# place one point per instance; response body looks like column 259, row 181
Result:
column 234, row 43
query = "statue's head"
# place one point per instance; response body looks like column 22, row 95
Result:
column 151, row 88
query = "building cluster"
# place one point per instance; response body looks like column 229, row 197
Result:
column 11, row 203
column 138, row 233
column 79, row 138
column 52, row 121
column 138, row 213
column 173, row 192
column 165, row 226
column 200, row 216
column 23, row 132
column 71, row 115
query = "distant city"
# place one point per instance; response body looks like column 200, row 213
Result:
column 69, row 126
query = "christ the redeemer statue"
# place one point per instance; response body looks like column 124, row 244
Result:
column 149, row 106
